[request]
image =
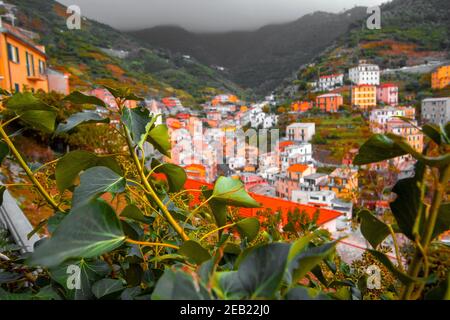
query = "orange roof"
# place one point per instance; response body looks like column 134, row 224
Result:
column 298, row 168
column 275, row 204
column 283, row 144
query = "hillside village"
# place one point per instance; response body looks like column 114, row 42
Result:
column 230, row 137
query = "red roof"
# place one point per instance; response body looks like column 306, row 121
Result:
column 388, row 85
column 283, row 144
column 275, row 204
column 332, row 75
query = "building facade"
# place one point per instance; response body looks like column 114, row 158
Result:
column 365, row 73
column 436, row 110
column 440, row 78
column 301, row 131
column 329, row 102
column 387, row 93
column 364, row 96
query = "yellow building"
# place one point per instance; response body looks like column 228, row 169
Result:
column 22, row 62
column 364, row 96
column 441, row 77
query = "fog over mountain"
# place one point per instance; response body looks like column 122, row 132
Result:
column 206, row 15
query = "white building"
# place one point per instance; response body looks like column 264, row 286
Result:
column 436, row 110
column 259, row 118
column 380, row 117
column 296, row 153
column 365, row 73
column 301, row 131
column 330, row 82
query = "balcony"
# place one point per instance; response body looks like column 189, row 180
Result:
column 39, row 77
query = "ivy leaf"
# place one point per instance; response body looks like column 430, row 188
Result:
column 307, row 259
column 123, row 93
column 228, row 286
column 88, row 231
column 378, row 148
column 304, row 293
column 261, row 271
column 176, row 176
column 232, row 192
column 432, row 132
column 90, row 272
column 178, row 285
column 160, row 139
column 404, row 278
column 194, row 251
column 4, row 151
column 374, row 230
column 134, row 213
column 248, row 228
column 22, row 102
column 40, row 119
column 69, row 166
column 107, row 287
column 406, row 205
column 138, row 122
column 94, row 182
column 80, row 118
column 80, row 98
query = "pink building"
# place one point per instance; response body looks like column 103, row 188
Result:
column 58, row 81
column 388, row 94
column 292, row 180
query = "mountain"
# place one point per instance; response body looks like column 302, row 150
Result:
column 413, row 32
column 99, row 54
column 257, row 59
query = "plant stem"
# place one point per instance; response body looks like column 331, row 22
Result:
column 397, row 251
column 28, row 171
column 149, row 189
column 216, row 230
column 153, row 244
column 416, row 264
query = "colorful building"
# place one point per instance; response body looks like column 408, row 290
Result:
column 364, row 96
column 301, row 106
column 387, row 93
column 343, row 181
column 329, row 102
column 330, row 82
column 23, row 63
column 365, row 73
column 440, row 78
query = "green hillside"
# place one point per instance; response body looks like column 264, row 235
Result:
column 412, row 32
column 149, row 71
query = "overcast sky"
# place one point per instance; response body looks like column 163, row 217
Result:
column 206, row 15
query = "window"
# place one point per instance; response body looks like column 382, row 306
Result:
column 16, row 87
column 30, row 64
column 13, row 53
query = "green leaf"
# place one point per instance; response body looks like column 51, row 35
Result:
column 80, row 98
column 94, row 182
column 4, row 151
column 306, row 260
column 304, row 293
column 134, row 213
column 39, row 119
column 176, row 176
column 107, row 287
column 378, row 148
column 138, row 122
column 88, row 231
column 80, row 118
column 262, row 270
column 22, row 102
column 178, row 285
column 232, row 192
column 441, row 292
column 248, row 228
column 69, row 166
column 194, row 251
column 406, row 206
column 404, row 278
column 90, row 271
column 123, row 93
column 433, row 132
column 374, row 230
column 160, row 139
column 228, row 286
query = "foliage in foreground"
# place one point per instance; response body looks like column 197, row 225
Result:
column 119, row 230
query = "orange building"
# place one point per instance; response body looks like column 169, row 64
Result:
column 22, row 62
column 364, row 96
column 441, row 77
column 301, row 106
column 329, row 102
column 196, row 172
